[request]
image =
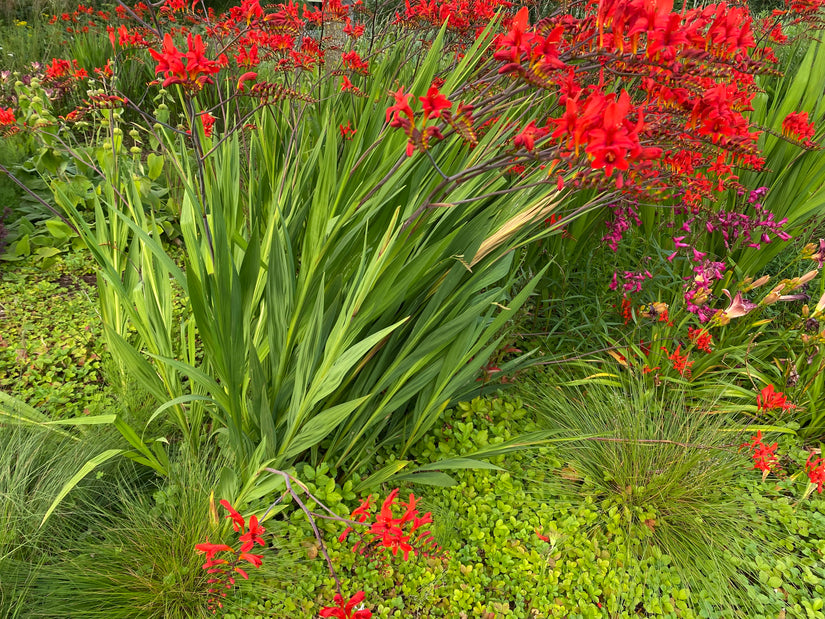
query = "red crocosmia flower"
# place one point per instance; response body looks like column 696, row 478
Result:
column 359, row 514
column 192, row 69
column 353, row 62
column 238, row 521
column 434, row 102
column 255, row 560
column 249, row 76
column 769, row 399
column 169, row 59
column 816, row 471
column 701, row 338
column 346, row 85
column 528, row 136
column 627, row 311
column 796, row 123
column 248, row 58
column 208, row 122
column 353, row 31
column 347, row 131
column 347, row 610
column 402, row 106
column 7, row 116
column 610, row 144
column 58, row 69
column 764, row 456
column 516, row 42
column 680, row 361
column 212, row 549
column 252, row 536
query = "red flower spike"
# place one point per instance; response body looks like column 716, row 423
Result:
column 7, row 117
column 208, row 122
column 390, row 533
column 191, row 70
column 701, row 338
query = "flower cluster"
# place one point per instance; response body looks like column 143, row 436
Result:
column 699, row 289
column 764, row 456
column 632, row 282
column 388, row 532
column 191, row 69
column 623, row 217
column 223, row 569
column 701, row 338
column 797, row 124
column 435, row 105
column 770, row 399
column 680, row 361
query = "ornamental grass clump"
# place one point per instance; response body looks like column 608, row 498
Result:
column 660, row 469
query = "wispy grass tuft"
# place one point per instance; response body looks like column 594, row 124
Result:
column 660, row 468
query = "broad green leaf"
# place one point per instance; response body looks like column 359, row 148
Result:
column 93, row 420
column 382, row 475
column 316, row 429
column 459, row 463
column 155, row 166
column 429, row 478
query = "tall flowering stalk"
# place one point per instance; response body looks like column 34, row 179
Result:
column 224, row 562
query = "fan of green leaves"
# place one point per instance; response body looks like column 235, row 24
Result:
column 329, row 306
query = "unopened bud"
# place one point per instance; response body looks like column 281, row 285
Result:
column 806, row 278
column 759, row 282
column 773, row 295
